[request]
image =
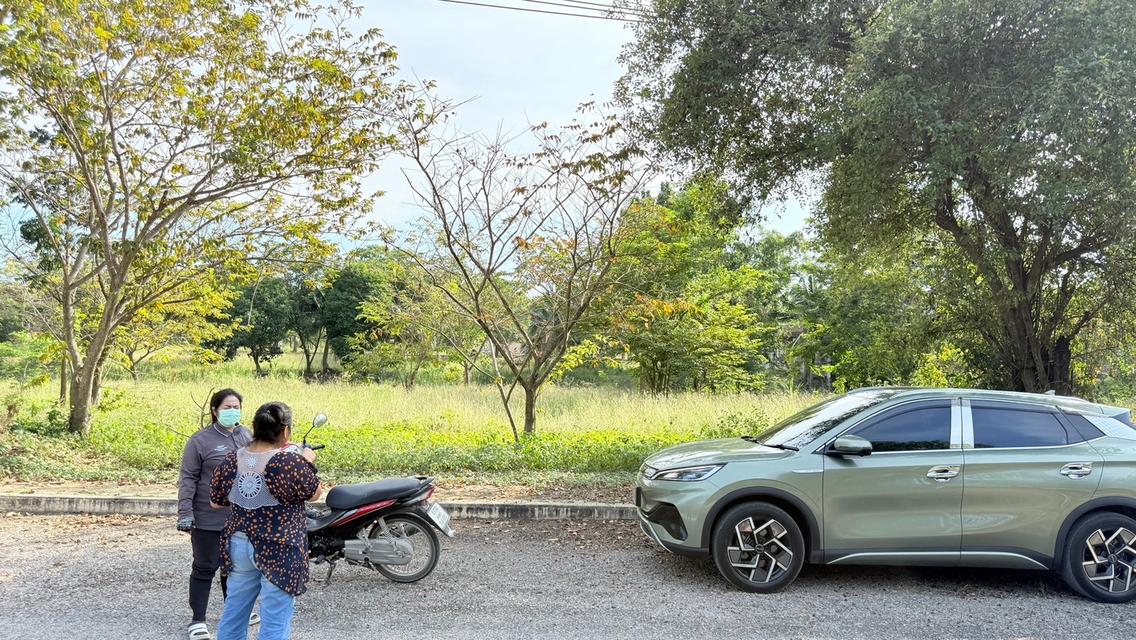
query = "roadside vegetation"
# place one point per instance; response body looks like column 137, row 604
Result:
column 589, row 435
column 183, row 206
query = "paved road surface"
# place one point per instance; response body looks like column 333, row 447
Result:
column 84, row 577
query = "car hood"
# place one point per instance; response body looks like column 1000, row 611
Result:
column 713, row 452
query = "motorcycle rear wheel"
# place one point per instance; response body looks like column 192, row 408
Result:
column 421, row 537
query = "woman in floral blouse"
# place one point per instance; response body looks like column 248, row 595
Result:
column 264, row 546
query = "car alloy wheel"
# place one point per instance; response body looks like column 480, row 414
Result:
column 1109, row 559
column 758, row 547
column 759, row 552
column 1100, row 557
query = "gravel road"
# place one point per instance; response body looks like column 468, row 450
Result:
column 118, row 577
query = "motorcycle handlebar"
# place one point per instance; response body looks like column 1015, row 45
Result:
column 316, row 447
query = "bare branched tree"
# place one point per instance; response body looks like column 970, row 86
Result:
column 521, row 244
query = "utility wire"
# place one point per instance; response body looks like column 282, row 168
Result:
column 553, row 13
column 634, row 7
column 607, row 9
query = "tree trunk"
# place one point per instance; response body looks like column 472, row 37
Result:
column 97, row 384
column 530, row 411
column 1059, row 371
column 467, row 368
column 81, row 401
column 85, row 382
column 326, row 354
column 63, row 374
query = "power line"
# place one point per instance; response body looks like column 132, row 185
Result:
column 553, row 13
column 633, row 7
column 607, row 9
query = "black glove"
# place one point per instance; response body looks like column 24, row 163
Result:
column 185, row 524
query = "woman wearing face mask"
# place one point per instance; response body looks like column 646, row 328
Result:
column 203, row 453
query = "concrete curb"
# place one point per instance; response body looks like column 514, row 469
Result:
column 97, row 505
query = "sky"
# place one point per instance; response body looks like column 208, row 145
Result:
column 511, row 69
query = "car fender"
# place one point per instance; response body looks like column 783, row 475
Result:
column 1095, row 504
column 812, row 525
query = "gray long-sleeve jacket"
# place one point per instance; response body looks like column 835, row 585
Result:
column 206, row 450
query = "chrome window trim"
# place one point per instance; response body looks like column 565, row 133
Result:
column 967, row 425
column 1048, row 446
column 958, row 426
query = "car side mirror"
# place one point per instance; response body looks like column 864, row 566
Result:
column 850, row 446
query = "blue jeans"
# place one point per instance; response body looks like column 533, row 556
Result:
column 246, row 582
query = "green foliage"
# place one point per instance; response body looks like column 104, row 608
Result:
column 363, row 275
column 382, row 429
column 679, row 314
column 146, row 146
column 262, row 317
column 947, row 367
column 998, row 137
column 27, row 358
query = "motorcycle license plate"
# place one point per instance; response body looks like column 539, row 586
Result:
column 440, row 517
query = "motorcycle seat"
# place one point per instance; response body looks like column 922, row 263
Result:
column 349, row 496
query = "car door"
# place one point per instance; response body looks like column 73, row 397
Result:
column 902, row 503
column 1027, row 468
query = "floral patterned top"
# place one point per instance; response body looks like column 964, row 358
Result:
column 278, row 533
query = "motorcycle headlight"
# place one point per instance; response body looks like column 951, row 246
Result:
column 688, row 474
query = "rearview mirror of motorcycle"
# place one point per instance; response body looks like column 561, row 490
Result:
column 318, row 421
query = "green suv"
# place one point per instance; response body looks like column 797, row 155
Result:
column 943, row 477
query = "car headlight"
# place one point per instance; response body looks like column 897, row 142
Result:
column 687, row 474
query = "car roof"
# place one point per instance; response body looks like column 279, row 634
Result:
column 1065, row 403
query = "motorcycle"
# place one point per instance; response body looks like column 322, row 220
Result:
column 386, row 526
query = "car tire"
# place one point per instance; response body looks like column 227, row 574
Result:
column 1101, row 545
column 771, row 551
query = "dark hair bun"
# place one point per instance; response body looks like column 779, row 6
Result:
column 270, row 421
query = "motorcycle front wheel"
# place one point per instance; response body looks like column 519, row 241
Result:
column 424, row 542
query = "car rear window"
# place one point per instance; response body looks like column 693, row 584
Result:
column 996, row 428
column 1113, row 426
column 1088, row 430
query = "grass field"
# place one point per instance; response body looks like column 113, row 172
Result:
column 583, row 434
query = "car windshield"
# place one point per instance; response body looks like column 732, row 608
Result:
column 804, row 427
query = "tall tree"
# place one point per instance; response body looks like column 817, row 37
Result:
column 680, row 312
column 364, row 274
column 262, row 317
column 1007, row 128
column 153, row 142
column 521, row 245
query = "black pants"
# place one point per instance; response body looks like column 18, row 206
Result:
column 206, row 560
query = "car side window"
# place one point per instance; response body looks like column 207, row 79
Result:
column 997, row 427
column 918, row 429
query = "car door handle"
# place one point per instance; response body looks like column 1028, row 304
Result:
column 943, row 472
column 1077, row 469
